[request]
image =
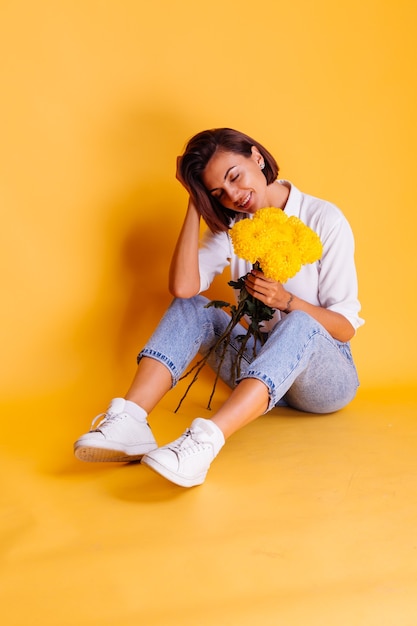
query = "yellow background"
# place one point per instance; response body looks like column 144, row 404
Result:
column 98, row 99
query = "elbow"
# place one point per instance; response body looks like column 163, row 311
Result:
column 183, row 284
column 346, row 333
column 344, row 337
column 183, row 291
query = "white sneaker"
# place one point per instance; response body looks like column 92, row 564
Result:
column 186, row 461
column 120, row 436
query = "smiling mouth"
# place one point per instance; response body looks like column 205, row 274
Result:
column 246, row 200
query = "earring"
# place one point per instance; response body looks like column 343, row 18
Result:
column 262, row 165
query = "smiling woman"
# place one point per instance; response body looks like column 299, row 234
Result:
column 238, row 182
column 304, row 359
column 200, row 170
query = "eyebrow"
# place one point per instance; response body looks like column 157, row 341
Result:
column 225, row 176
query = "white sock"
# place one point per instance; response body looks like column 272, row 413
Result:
column 212, row 430
column 136, row 411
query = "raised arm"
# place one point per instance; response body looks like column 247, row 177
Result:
column 184, row 275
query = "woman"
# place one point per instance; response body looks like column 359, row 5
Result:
column 305, row 362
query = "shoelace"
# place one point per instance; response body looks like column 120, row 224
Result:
column 108, row 420
column 186, row 444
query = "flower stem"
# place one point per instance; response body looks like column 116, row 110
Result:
column 252, row 308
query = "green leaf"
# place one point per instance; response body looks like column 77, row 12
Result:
column 237, row 284
column 218, row 304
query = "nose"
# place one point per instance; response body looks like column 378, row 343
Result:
column 233, row 194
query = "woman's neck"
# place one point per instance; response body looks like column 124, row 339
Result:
column 278, row 195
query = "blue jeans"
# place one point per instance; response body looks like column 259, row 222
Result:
column 301, row 365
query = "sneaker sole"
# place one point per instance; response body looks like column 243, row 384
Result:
column 181, row 481
column 99, row 455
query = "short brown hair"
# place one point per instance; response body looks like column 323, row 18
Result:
column 198, row 153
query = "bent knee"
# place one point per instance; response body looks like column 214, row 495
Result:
column 314, row 401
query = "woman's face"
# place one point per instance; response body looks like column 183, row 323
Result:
column 237, row 181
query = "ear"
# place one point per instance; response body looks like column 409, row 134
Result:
column 257, row 156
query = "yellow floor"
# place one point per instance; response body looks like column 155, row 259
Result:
column 302, row 521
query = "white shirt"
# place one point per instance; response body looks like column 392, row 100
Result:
column 331, row 282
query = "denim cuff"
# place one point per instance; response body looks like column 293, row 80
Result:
column 162, row 358
column 267, row 382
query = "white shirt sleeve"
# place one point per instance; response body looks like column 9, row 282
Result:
column 214, row 255
column 338, row 285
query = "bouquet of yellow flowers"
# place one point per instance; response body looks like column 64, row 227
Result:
column 277, row 245
column 280, row 244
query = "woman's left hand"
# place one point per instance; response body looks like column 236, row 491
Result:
column 268, row 291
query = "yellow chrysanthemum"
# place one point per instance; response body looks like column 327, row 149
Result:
column 307, row 241
column 249, row 237
column 280, row 244
column 281, row 262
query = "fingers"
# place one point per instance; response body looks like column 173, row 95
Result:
column 267, row 290
column 259, row 274
column 178, row 172
column 258, row 281
column 256, row 286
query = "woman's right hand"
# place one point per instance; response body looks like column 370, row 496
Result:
column 178, row 174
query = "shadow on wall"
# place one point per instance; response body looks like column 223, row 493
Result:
column 147, row 218
column 139, row 228
column 144, row 259
column 131, row 292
